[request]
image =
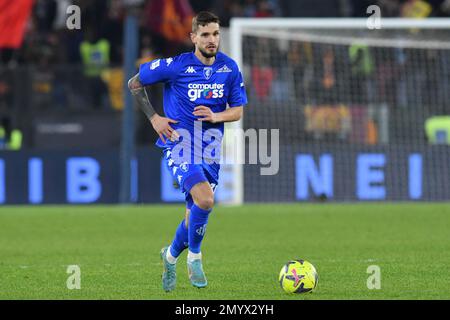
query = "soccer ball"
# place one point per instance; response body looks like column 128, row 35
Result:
column 298, row 276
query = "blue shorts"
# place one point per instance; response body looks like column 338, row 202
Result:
column 188, row 175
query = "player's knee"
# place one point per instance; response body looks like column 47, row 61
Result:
column 206, row 202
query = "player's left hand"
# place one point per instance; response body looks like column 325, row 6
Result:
column 205, row 113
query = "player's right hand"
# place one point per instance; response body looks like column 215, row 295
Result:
column 163, row 128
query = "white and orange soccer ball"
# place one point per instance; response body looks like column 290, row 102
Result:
column 298, row 276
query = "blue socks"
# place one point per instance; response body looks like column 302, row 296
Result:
column 198, row 219
column 190, row 237
column 180, row 242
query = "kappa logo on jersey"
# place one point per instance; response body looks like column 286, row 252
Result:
column 190, row 70
column 169, row 61
column 206, row 91
column 155, row 64
column 224, row 69
column 207, row 72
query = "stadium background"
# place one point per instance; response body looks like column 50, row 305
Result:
column 62, row 102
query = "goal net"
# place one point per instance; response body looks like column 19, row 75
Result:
column 362, row 114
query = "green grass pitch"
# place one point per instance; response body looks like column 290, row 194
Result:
column 117, row 250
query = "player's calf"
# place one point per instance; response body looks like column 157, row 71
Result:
column 203, row 197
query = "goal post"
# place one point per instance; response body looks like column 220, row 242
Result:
column 350, row 103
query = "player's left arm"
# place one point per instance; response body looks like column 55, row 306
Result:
column 229, row 115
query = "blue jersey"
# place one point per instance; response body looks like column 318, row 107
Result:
column 190, row 83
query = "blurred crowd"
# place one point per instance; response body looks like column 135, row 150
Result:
column 83, row 68
column 164, row 27
column 334, row 84
column 165, row 24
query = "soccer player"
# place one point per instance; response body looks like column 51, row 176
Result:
column 198, row 87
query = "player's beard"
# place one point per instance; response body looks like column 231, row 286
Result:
column 207, row 54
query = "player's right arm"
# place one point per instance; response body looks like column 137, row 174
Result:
column 160, row 124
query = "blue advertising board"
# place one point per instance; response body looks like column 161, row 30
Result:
column 354, row 173
column 88, row 177
column 328, row 173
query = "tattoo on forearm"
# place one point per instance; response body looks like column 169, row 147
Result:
column 140, row 96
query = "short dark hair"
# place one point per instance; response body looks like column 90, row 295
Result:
column 204, row 18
